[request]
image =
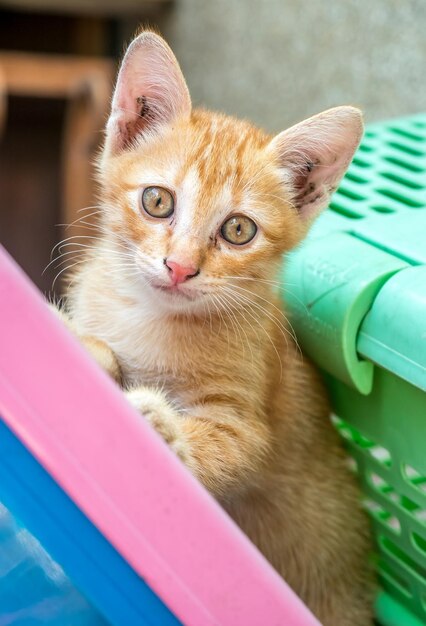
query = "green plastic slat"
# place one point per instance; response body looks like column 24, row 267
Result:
column 394, row 331
column 332, row 286
column 391, row 613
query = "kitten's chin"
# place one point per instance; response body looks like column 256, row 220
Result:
column 174, row 291
column 176, row 298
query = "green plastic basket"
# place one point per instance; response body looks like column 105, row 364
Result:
column 356, row 292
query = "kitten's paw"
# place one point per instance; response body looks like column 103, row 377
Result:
column 152, row 404
column 99, row 350
column 103, row 355
column 62, row 315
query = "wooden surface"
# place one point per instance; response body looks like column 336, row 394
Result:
column 3, row 101
column 30, row 184
column 118, row 8
column 53, row 76
column 47, row 151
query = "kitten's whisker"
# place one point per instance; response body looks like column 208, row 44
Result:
column 68, row 267
column 291, row 333
column 264, row 311
column 206, row 308
column 210, row 320
column 233, row 319
column 225, row 306
column 278, row 284
column 206, row 312
column 59, row 257
column 79, row 249
column 69, row 240
column 226, row 325
column 74, row 255
column 82, row 217
column 222, row 319
column 73, row 237
column 267, row 281
column 230, row 296
column 90, row 225
column 116, row 249
column 123, row 270
column 99, row 251
column 218, row 314
column 88, row 208
column 249, row 304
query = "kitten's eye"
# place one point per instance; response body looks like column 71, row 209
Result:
column 158, row 202
column 238, row 230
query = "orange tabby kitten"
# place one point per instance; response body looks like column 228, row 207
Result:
column 178, row 301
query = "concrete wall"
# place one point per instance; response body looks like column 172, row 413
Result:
column 278, row 61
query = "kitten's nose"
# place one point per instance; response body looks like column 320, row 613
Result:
column 180, row 273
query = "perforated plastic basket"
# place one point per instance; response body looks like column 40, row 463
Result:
column 357, row 298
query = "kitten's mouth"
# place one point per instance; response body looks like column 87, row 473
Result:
column 174, row 290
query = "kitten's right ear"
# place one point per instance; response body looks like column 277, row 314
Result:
column 150, row 92
column 314, row 155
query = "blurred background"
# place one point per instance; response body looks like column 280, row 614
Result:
column 273, row 61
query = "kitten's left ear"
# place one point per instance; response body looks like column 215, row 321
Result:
column 150, row 92
column 314, row 155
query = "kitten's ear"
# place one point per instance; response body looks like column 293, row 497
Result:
column 150, row 91
column 314, row 155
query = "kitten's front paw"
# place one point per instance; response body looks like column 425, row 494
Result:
column 99, row 350
column 153, row 405
column 103, row 355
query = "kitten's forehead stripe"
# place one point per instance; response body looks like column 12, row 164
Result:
column 220, row 148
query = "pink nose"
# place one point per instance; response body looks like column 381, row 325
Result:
column 179, row 273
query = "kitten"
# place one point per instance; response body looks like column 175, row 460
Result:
column 178, row 301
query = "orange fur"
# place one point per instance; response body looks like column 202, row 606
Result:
column 217, row 370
